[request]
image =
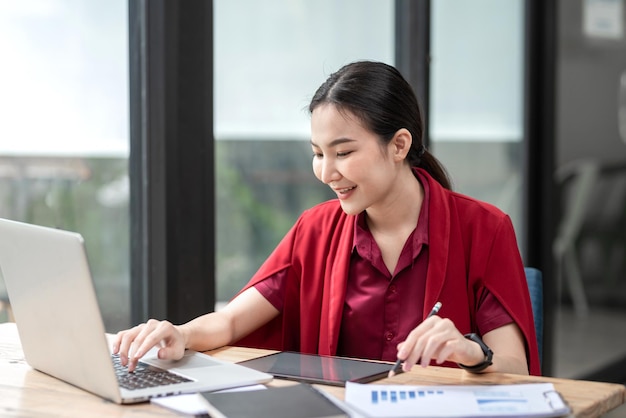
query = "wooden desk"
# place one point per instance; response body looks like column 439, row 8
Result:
column 25, row 392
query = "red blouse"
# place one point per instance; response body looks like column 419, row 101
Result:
column 472, row 250
column 381, row 308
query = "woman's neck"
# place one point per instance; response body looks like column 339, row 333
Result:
column 400, row 211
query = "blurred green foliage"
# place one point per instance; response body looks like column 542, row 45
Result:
column 261, row 189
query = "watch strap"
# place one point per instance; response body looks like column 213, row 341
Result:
column 486, row 350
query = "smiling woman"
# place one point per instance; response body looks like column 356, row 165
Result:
column 394, row 243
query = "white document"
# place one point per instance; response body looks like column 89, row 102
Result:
column 527, row 400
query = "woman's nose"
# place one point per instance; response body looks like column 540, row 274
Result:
column 328, row 172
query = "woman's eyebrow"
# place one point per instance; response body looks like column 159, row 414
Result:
column 334, row 142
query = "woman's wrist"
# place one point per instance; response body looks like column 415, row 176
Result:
column 184, row 333
column 485, row 356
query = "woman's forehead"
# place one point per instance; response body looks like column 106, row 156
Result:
column 329, row 116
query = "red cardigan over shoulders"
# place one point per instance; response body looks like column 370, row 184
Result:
column 472, row 245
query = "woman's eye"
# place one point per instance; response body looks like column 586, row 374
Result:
column 343, row 154
column 317, row 155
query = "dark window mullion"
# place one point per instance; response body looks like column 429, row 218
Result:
column 171, row 161
column 412, row 51
column 539, row 139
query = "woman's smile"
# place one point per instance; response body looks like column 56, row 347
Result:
column 344, row 193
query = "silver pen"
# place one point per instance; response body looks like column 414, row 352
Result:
column 396, row 367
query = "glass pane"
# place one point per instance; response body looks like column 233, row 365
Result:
column 64, row 148
column 476, row 108
column 269, row 58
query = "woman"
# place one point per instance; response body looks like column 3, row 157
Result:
column 357, row 276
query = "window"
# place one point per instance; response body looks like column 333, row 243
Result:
column 64, row 148
column 476, row 106
column 269, row 58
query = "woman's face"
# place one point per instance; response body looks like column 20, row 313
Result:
column 352, row 160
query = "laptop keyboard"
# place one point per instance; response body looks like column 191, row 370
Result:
column 144, row 376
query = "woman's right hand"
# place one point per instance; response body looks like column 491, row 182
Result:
column 132, row 344
column 245, row 313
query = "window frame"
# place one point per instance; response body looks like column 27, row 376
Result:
column 171, row 159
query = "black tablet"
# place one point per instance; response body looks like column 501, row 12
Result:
column 315, row 368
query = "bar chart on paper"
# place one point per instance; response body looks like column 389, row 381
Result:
column 537, row 400
column 399, row 396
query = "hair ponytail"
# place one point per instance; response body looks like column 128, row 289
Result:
column 433, row 167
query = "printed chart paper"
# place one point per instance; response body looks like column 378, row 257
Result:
column 528, row 400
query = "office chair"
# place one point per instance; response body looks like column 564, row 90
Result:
column 534, row 278
column 581, row 178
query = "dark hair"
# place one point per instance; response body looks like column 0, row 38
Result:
column 382, row 99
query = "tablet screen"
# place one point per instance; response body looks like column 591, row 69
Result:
column 314, row 368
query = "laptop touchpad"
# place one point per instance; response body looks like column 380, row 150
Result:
column 187, row 362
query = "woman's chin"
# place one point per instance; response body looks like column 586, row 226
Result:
column 350, row 209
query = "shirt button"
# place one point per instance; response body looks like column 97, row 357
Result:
column 389, row 336
column 393, row 288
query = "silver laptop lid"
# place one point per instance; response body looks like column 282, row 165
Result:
column 51, row 291
column 62, row 335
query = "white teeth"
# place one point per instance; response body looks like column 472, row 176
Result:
column 346, row 190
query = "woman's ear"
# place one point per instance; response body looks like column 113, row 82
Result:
column 401, row 144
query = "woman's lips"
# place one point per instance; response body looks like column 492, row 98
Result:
column 345, row 192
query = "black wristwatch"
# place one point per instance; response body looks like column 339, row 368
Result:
column 486, row 350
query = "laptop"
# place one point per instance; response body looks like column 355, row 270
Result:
column 48, row 280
